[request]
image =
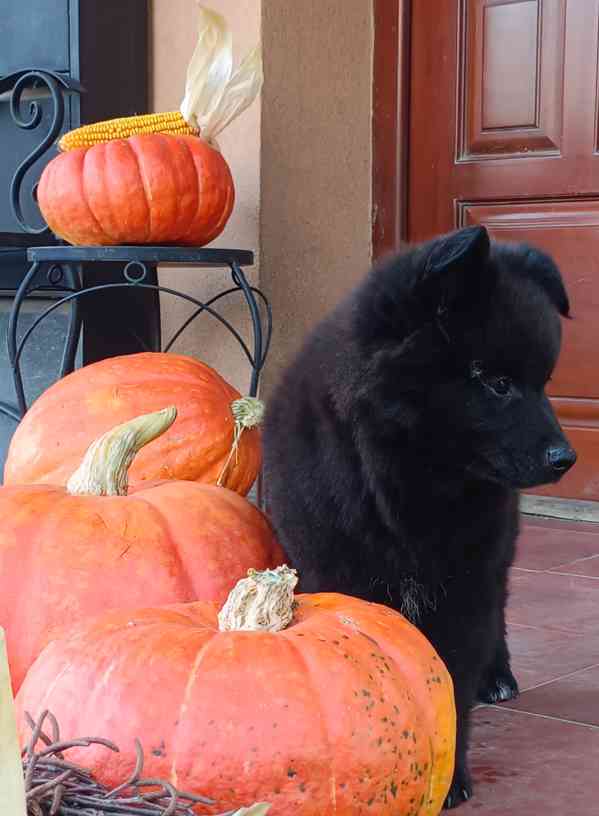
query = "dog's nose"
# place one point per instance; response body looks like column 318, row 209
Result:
column 561, row 459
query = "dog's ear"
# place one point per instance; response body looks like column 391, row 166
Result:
column 455, row 274
column 425, row 284
column 541, row 268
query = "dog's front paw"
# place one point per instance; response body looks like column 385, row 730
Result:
column 460, row 790
column 498, row 688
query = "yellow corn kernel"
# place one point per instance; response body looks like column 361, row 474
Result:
column 89, row 135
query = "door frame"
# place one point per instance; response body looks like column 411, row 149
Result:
column 390, row 124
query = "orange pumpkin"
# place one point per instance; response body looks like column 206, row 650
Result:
column 68, row 554
column 346, row 710
column 53, row 436
column 147, row 189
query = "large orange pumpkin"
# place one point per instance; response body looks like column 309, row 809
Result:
column 52, row 438
column 147, row 189
column 347, row 710
column 67, row 554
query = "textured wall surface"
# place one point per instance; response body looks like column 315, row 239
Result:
column 173, row 38
column 316, row 161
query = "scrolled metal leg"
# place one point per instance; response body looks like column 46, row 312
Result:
column 258, row 361
column 10, row 411
column 14, row 354
column 260, row 350
column 74, row 330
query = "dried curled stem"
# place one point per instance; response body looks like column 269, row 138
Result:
column 55, row 787
column 262, row 602
column 248, row 412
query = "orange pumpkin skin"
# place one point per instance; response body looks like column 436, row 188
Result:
column 349, row 710
column 52, row 438
column 64, row 558
column 147, row 189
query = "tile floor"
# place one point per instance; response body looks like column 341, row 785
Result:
column 539, row 755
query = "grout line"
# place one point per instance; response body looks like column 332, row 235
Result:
column 575, row 561
column 554, row 570
column 561, row 677
column 574, row 575
column 525, row 625
column 503, row 707
column 551, row 629
column 550, row 572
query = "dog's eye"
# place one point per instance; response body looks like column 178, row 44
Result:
column 500, row 385
column 476, row 369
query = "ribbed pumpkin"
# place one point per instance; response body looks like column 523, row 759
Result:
column 68, row 554
column 347, row 710
column 147, row 189
column 52, row 438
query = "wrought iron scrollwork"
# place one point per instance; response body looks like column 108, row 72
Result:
column 64, row 276
column 135, row 272
column 55, row 275
column 57, row 86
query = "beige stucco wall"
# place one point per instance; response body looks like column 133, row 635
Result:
column 173, row 37
column 301, row 159
column 316, row 161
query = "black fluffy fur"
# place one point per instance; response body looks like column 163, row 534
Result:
column 397, row 441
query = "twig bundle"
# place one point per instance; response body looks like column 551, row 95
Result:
column 56, row 787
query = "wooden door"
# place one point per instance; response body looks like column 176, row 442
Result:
column 504, row 131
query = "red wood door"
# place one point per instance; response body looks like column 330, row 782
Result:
column 504, row 131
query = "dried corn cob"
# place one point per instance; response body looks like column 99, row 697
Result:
column 88, row 135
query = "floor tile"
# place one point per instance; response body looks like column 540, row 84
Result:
column 537, row 756
column 574, row 698
column 525, row 765
column 548, row 544
column 559, row 524
column 550, row 601
column 541, row 655
column 583, row 566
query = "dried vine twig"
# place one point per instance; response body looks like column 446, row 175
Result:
column 56, row 787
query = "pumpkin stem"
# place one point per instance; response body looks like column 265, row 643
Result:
column 248, row 412
column 262, row 602
column 104, row 469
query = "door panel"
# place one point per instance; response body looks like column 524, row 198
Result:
column 493, row 119
column 504, row 132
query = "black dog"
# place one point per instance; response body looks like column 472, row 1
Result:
column 397, row 440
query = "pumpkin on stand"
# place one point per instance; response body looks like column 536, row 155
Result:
column 319, row 704
column 157, row 178
column 71, row 553
column 146, row 189
column 54, row 434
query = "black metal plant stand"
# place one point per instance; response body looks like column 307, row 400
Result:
column 112, row 292
column 44, row 110
column 60, row 268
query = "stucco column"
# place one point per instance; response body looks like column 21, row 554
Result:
column 315, row 219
